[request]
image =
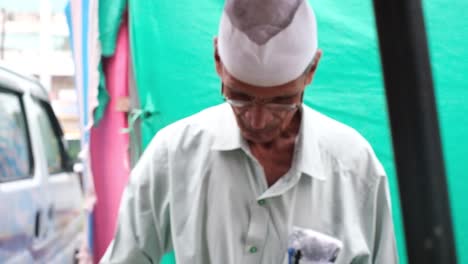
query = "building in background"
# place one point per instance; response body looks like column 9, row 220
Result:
column 34, row 40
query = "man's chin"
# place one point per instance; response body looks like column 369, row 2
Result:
column 260, row 138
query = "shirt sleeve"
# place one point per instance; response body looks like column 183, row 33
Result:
column 384, row 250
column 143, row 228
column 377, row 215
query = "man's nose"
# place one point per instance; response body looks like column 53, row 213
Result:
column 258, row 117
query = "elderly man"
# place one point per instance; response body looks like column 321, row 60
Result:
column 233, row 183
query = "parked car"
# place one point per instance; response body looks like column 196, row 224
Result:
column 41, row 215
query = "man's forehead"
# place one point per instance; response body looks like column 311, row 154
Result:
column 264, row 94
column 234, row 85
column 261, row 20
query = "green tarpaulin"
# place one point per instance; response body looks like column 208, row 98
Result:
column 172, row 53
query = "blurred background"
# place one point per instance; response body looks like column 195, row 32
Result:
column 116, row 71
column 35, row 40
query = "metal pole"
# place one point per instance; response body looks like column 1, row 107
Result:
column 415, row 131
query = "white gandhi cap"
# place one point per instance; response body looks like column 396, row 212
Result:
column 267, row 42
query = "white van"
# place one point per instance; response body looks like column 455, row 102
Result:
column 41, row 198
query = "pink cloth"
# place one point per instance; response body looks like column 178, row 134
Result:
column 109, row 148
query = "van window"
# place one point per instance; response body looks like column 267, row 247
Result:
column 15, row 151
column 50, row 138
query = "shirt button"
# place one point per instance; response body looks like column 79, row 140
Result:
column 261, row 202
column 253, row 250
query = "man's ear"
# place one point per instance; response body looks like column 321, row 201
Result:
column 310, row 74
column 217, row 59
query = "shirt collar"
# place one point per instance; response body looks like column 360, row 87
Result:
column 227, row 136
column 309, row 157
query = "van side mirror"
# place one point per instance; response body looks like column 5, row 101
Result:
column 72, row 150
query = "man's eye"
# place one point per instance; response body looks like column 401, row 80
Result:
column 241, row 97
column 283, row 100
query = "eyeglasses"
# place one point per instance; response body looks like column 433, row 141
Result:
column 274, row 107
column 277, row 107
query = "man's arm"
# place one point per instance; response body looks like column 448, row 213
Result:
column 384, row 250
column 143, row 231
column 376, row 214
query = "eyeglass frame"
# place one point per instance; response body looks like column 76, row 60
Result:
column 274, row 107
column 239, row 104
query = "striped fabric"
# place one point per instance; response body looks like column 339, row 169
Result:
column 82, row 18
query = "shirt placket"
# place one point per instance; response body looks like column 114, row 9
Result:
column 256, row 236
column 257, row 245
column 257, row 230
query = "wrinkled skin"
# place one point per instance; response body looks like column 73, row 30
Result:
column 271, row 136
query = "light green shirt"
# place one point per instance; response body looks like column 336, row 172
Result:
column 199, row 191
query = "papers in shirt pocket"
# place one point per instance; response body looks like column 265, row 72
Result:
column 316, row 247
